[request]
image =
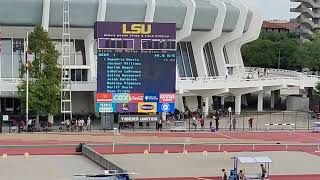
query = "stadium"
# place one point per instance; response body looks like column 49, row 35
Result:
column 210, row 34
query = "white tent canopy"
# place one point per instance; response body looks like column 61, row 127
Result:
column 256, row 159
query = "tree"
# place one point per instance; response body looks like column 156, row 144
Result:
column 44, row 76
column 317, row 89
column 264, row 52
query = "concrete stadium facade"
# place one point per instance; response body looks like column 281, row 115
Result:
column 309, row 17
column 210, row 34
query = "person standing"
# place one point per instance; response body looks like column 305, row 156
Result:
column 160, row 125
column 29, row 128
column 14, row 124
column 263, row 172
column 194, row 123
column 224, row 175
column 217, row 122
column 250, row 122
column 212, row 117
column 67, row 125
column 201, row 119
column 80, row 124
column 234, row 123
column 88, row 124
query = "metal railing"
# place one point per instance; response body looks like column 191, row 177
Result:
column 116, row 147
column 302, row 121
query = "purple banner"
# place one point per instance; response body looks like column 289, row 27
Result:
column 109, row 29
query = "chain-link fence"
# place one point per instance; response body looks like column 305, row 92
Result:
column 260, row 121
column 191, row 122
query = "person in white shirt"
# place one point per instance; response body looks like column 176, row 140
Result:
column 80, row 124
column 88, row 124
column 29, row 128
column 67, row 124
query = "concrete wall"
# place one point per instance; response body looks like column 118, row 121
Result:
column 99, row 159
column 297, row 103
column 192, row 102
column 83, row 102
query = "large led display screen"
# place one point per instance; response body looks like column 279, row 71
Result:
column 136, row 67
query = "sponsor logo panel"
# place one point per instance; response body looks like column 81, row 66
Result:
column 104, row 107
column 124, row 107
column 166, row 107
column 104, row 97
column 147, row 107
column 167, row 98
column 120, row 98
column 151, row 97
column 136, row 97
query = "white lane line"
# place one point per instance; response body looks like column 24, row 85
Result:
column 230, row 137
column 202, row 178
column 306, row 136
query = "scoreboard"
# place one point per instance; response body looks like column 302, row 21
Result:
column 136, row 68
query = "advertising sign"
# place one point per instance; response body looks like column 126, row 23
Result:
column 136, row 65
column 134, row 118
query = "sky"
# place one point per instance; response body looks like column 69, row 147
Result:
column 276, row 9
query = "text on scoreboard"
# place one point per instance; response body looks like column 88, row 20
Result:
column 135, row 58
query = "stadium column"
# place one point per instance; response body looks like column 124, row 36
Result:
column 260, row 101
column 222, row 101
column 45, row 14
column 199, row 39
column 102, row 9
column 237, row 104
column 151, row 8
column 186, row 29
column 179, row 103
column 206, row 106
column 90, row 59
column 274, row 98
column 223, row 47
column 251, row 32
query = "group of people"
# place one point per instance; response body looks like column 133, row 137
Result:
column 241, row 175
column 232, row 121
column 256, row 73
column 76, row 125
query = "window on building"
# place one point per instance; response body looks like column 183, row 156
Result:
column 80, row 52
column 84, row 75
column 210, row 60
column 225, row 53
column 17, row 56
column 6, row 58
column 185, row 60
column 79, row 75
column 182, row 72
column 77, row 51
column 192, row 60
column 73, row 75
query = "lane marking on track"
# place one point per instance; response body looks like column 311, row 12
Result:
column 318, row 139
column 202, row 178
column 230, row 137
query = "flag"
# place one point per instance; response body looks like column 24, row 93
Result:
column 26, row 62
column 0, row 42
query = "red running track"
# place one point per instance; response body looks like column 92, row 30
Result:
column 279, row 177
column 292, row 136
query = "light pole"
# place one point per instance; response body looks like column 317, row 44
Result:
column 27, row 79
column 279, row 58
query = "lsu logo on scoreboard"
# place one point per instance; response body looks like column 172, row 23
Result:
column 136, row 29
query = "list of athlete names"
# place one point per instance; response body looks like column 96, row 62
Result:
column 123, row 73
